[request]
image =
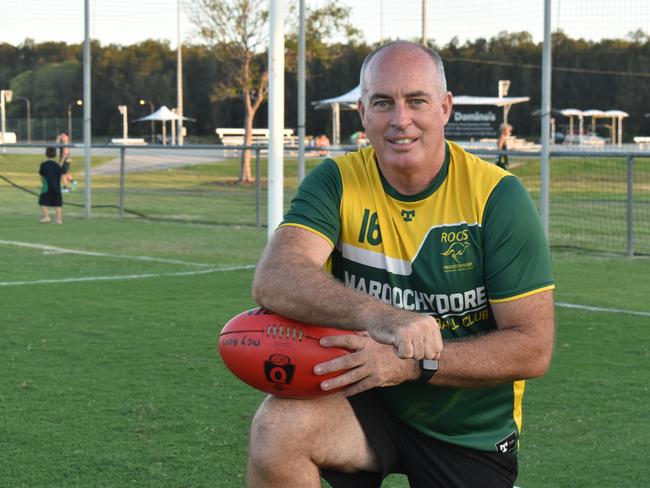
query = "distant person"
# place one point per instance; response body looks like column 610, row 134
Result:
column 65, row 161
column 505, row 131
column 51, row 173
column 322, row 141
column 359, row 139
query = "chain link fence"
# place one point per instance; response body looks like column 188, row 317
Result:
column 599, row 201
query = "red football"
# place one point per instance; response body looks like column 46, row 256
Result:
column 277, row 355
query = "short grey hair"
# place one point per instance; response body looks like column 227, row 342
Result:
column 437, row 61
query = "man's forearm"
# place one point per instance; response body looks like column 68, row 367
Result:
column 521, row 347
column 298, row 291
column 494, row 358
column 290, row 281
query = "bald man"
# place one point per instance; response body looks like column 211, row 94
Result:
column 439, row 260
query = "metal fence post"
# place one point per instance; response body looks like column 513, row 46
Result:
column 258, row 189
column 122, row 171
column 630, row 206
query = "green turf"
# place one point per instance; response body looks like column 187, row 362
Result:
column 117, row 382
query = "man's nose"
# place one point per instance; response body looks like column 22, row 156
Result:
column 401, row 117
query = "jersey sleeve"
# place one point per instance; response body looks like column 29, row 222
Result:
column 316, row 204
column 516, row 252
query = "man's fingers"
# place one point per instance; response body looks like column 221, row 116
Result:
column 432, row 346
column 346, row 341
column 404, row 350
column 341, row 363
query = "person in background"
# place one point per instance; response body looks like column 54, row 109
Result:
column 505, row 131
column 359, row 138
column 322, row 142
column 50, row 196
column 65, row 162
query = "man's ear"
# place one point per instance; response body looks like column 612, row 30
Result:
column 362, row 112
column 447, row 104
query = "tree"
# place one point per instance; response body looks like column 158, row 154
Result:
column 238, row 29
column 50, row 86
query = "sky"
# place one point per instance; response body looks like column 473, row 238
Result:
column 130, row 21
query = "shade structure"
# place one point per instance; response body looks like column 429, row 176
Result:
column 347, row 101
column 573, row 112
column 594, row 114
column 163, row 114
column 616, row 116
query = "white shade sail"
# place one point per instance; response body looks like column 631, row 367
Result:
column 162, row 114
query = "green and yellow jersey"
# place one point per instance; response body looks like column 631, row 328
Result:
column 472, row 238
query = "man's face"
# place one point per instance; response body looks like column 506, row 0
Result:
column 403, row 111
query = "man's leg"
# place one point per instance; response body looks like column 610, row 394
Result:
column 292, row 439
column 59, row 214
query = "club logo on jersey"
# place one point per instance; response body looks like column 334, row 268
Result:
column 457, row 248
column 507, row 445
column 408, row 215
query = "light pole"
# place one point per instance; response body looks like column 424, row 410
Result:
column 78, row 102
column 142, row 101
column 5, row 96
column 124, row 110
column 29, row 118
column 179, row 75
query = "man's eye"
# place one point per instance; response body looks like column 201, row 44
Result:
column 418, row 101
column 380, row 104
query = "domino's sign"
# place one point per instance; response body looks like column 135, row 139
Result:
column 473, row 122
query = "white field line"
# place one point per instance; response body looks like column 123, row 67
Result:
column 603, row 309
column 127, row 277
column 61, row 250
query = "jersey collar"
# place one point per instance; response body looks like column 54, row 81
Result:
column 435, row 184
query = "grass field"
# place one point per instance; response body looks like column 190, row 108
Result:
column 110, row 375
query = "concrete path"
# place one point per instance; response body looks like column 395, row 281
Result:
column 143, row 160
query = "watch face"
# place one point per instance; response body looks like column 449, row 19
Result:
column 429, row 364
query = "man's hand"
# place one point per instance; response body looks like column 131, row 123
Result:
column 413, row 336
column 369, row 365
column 290, row 280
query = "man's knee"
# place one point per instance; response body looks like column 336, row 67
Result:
column 281, row 424
column 281, row 431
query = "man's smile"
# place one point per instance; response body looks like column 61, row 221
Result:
column 402, row 141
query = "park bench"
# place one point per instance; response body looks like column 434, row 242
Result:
column 642, row 141
column 9, row 138
column 131, row 141
column 235, row 137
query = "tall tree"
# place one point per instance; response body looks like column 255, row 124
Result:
column 238, row 28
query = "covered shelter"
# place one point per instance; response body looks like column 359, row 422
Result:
column 573, row 112
column 163, row 114
column 594, row 114
column 348, row 101
column 616, row 116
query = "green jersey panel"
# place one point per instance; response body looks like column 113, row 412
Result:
column 473, row 236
